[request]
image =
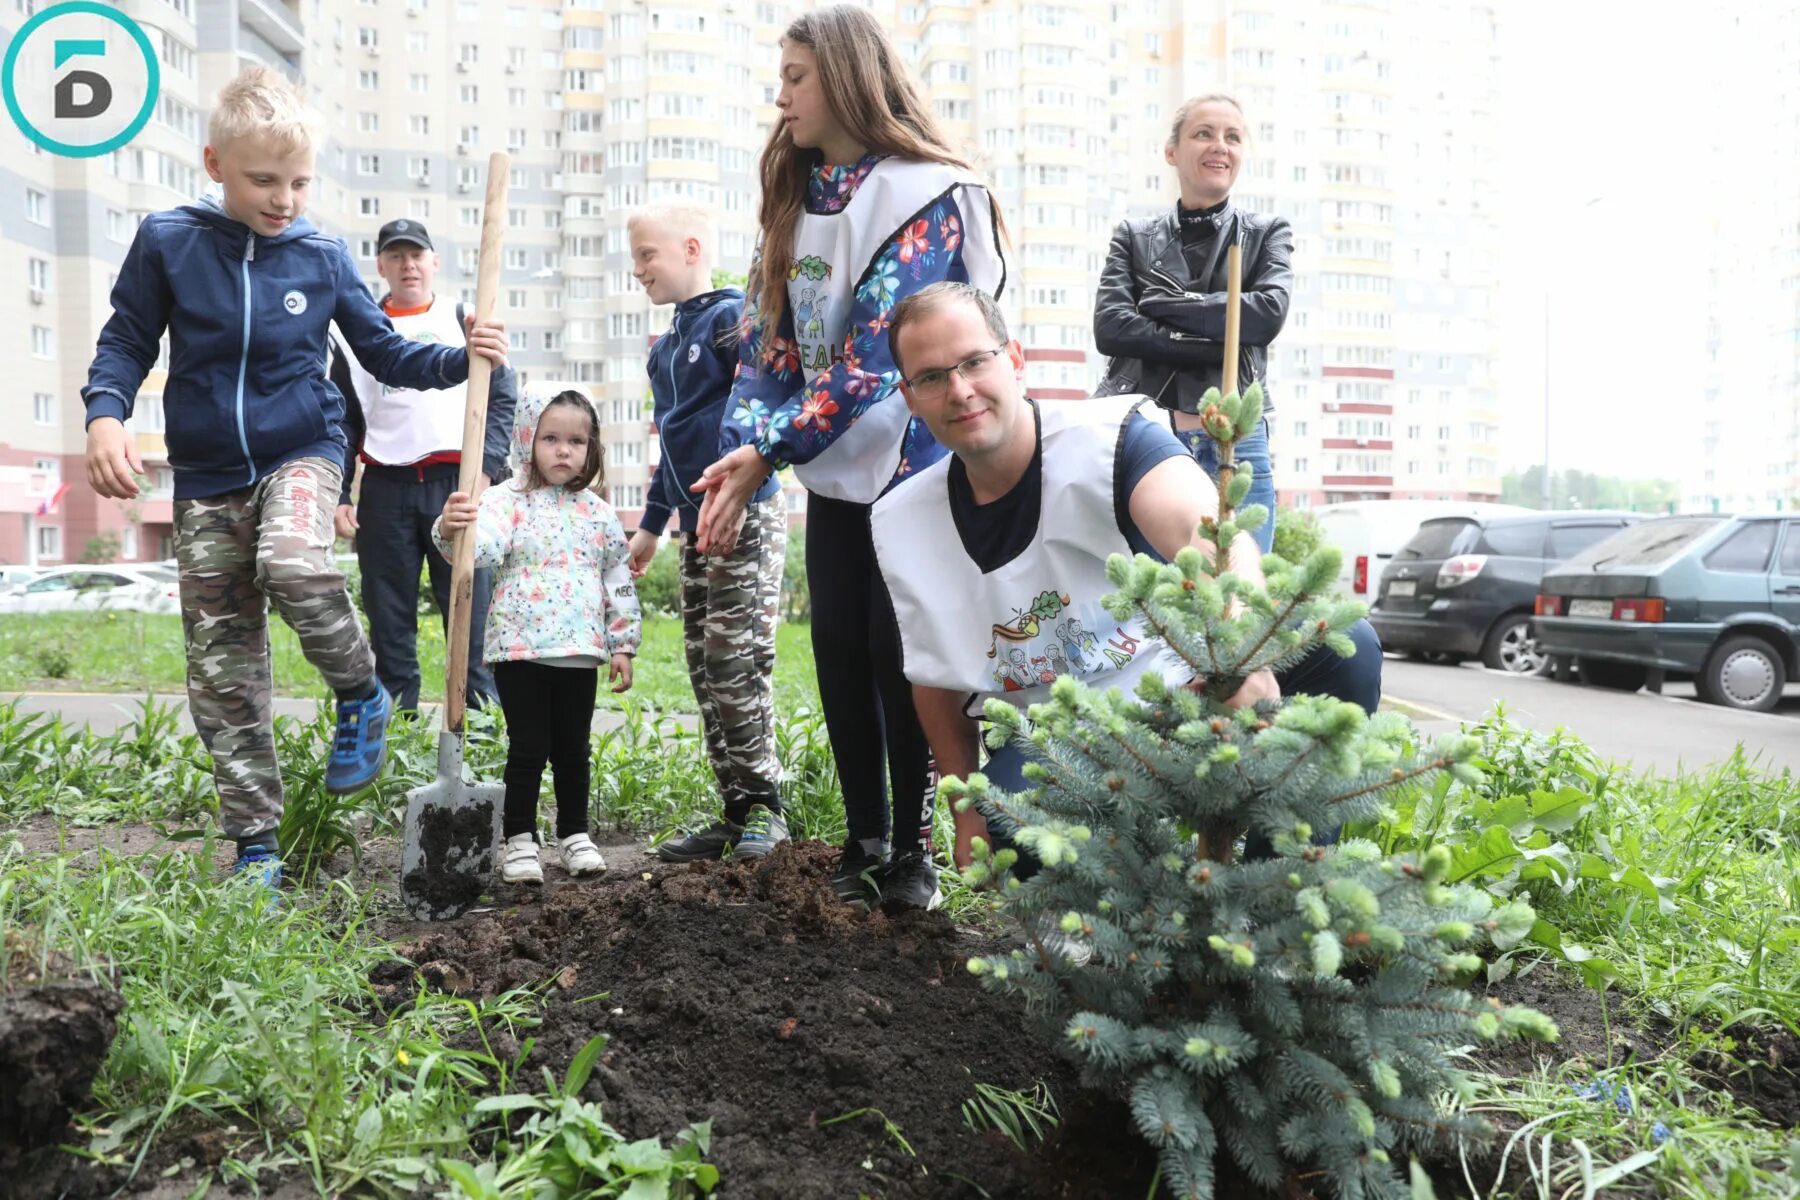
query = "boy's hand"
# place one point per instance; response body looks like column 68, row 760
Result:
column 345, row 520
column 620, row 676
column 112, row 459
column 487, row 338
column 643, row 549
column 459, row 513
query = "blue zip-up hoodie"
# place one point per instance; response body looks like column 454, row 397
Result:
column 247, row 317
column 691, row 367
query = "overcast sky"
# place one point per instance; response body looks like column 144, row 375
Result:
column 1603, row 101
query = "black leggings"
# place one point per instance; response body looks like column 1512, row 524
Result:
column 549, row 711
column 868, row 704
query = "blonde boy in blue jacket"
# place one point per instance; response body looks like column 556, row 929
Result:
column 246, row 289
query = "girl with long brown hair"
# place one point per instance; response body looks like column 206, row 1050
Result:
column 864, row 202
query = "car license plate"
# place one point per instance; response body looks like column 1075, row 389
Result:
column 1403, row 587
column 1590, row 608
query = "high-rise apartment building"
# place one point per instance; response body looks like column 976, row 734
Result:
column 1747, row 436
column 1371, row 129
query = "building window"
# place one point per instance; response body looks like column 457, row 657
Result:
column 43, row 408
column 42, row 342
column 37, row 207
column 49, row 541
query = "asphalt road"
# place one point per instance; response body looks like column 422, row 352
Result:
column 1665, row 733
column 106, row 712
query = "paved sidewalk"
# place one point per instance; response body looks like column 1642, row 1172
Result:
column 107, row 712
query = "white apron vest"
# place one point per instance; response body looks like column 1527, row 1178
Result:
column 405, row 425
column 832, row 252
column 1011, row 632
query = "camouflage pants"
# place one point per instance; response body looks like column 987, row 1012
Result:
column 729, row 606
column 238, row 553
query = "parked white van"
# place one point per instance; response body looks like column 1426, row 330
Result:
column 1370, row 532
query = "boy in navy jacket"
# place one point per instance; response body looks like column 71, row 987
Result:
column 247, row 288
column 728, row 601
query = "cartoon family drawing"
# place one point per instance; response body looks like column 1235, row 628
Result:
column 1070, row 650
column 810, row 312
column 809, row 316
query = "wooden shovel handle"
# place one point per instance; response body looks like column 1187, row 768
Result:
column 1234, row 291
column 468, row 477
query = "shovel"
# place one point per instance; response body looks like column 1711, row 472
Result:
column 452, row 827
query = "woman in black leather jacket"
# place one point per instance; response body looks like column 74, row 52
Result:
column 1160, row 310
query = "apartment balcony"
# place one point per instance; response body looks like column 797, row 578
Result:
column 274, row 22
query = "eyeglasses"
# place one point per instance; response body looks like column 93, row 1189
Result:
column 929, row 385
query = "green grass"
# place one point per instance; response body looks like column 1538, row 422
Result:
column 261, row 1020
column 139, row 652
column 1678, row 895
column 1640, row 1129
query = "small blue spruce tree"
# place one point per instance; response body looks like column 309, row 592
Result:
column 1298, row 1012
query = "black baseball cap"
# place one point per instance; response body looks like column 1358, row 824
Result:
column 405, row 230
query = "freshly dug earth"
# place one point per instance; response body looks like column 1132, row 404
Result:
column 456, row 846
column 749, row 995
column 55, row 1032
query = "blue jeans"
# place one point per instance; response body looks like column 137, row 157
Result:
column 1253, row 450
column 1324, row 672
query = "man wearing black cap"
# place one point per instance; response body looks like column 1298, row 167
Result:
column 410, row 443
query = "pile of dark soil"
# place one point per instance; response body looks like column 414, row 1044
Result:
column 56, row 1028
column 749, row 995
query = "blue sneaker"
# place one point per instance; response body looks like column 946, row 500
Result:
column 261, row 863
column 361, row 747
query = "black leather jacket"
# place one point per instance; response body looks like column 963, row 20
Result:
column 1165, row 330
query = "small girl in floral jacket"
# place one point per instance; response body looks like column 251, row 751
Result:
column 563, row 604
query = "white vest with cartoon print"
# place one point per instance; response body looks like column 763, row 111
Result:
column 831, row 259
column 405, row 424
column 1010, row 632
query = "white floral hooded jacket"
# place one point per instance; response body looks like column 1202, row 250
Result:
column 562, row 577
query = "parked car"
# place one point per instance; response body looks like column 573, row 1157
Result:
column 1369, row 532
column 14, row 574
column 1466, row 586
column 139, row 587
column 1717, row 598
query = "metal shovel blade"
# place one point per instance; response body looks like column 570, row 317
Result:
column 451, row 838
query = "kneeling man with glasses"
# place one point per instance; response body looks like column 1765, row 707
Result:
column 995, row 556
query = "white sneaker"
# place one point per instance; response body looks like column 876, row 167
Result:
column 580, row 856
column 519, row 860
